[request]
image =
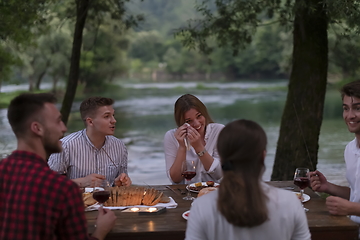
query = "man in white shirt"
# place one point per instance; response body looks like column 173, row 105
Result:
column 94, row 153
column 345, row 200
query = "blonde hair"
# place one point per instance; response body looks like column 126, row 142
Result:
column 241, row 145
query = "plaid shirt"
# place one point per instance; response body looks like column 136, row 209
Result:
column 37, row 203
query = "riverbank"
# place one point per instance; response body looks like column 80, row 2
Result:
column 144, row 112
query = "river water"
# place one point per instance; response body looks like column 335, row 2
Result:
column 144, row 112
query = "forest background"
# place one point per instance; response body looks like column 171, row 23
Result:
column 150, row 51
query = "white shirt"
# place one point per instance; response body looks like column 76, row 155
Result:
column 81, row 158
column 171, row 146
column 352, row 160
column 287, row 219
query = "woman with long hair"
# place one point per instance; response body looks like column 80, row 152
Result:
column 244, row 207
column 193, row 140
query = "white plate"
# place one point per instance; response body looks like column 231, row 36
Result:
column 185, row 215
column 92, row 189
column 193, row 185
column 305, row 196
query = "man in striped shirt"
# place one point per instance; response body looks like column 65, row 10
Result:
column 94, row 153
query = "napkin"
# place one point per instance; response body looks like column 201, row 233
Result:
column 171, row 204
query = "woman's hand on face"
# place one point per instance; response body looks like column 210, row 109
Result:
column 193, row 136
column 181, row 133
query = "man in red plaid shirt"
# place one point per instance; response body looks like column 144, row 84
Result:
column 36, row 202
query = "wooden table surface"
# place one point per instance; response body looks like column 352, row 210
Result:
column 171, row 225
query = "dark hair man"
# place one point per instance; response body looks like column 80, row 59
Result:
column 36, row 202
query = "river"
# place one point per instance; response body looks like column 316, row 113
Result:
column 144, row 112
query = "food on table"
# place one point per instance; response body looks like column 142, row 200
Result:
column 210, row 183
column 198, row 184
column 206, row 191
column 164, row 199
column 129, row 196
column 88, row 199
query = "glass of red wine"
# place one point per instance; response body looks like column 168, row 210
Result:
column 301, row 179
column 188, row 171
column 101, row 192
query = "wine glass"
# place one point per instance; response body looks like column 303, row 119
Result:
column 188, row 171
column 101, row 191
column 301, row 179
column 63, row 170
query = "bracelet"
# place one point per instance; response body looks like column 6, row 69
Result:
column 200, row 154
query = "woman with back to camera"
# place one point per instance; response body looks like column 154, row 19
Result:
column 194, row 140
column 245, row 207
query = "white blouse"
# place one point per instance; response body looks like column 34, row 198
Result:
column 171, row 146
column 286, row 219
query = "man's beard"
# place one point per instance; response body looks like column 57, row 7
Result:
column 50, row 145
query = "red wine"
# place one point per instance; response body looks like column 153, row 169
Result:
column 101, row 196
column 302, row 182
column 188, row 175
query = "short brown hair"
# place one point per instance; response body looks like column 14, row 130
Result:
column 351, row 89
column 89, row 106
column 184, row 104
column 242, row 201
column 26, row 107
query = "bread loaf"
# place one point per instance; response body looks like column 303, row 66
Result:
column 88, row 199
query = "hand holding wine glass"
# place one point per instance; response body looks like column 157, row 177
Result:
column 188, row 171
column 101, row 192
column 301, row 179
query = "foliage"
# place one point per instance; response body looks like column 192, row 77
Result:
column 110, row 51
column 16, row 21
column 103, row 59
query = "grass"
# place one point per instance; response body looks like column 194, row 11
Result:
column 6, row 97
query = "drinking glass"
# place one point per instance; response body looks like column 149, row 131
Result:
column 63, row 170
column 188, row 171
column 101, row 192
column 301, row 179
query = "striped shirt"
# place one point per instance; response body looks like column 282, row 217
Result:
column 81, row 158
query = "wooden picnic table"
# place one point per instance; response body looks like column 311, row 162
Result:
column 171, row 224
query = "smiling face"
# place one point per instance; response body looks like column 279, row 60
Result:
column 196, row 120
column 351, row 114
column 103, row 121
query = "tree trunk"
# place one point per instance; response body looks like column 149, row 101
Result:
column 31, row 82
column 301, row 120
column 81, row 14
column 41, row 75
column 55, row 81
column 39, row 79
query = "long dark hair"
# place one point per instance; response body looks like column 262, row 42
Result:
column 241, row 146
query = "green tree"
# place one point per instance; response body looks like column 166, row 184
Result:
column 234, row 24
column 104, row 54
column 16, row 20
column 98, row 12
